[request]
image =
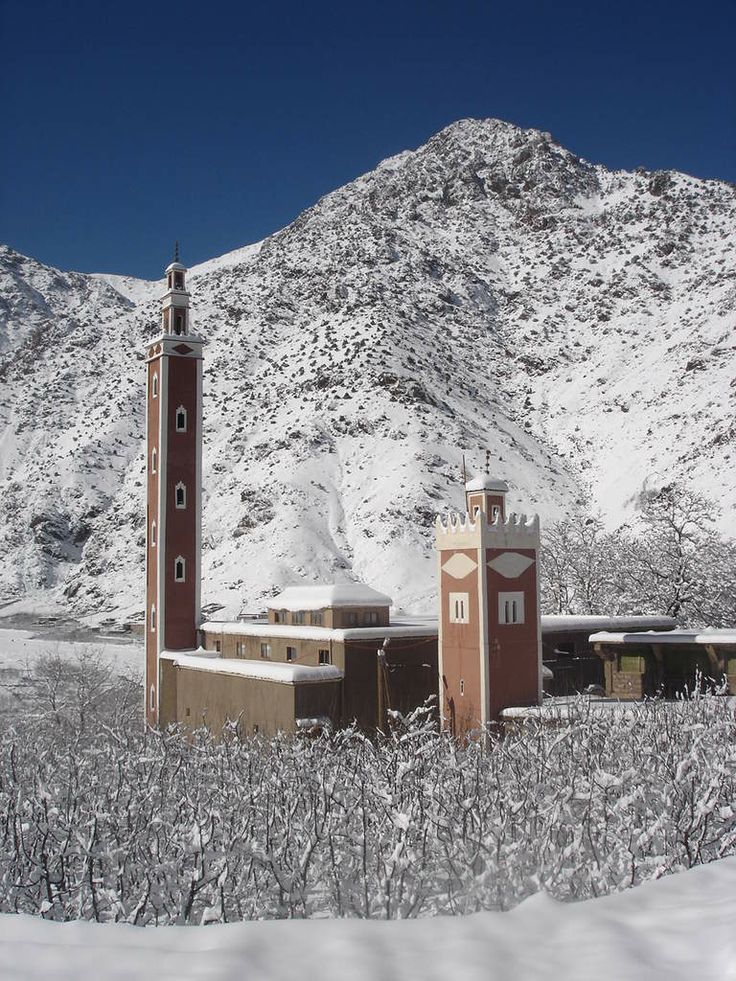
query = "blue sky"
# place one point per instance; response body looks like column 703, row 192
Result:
column 127, row 126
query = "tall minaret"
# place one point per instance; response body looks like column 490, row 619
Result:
column 490, row 648
column 174, row 468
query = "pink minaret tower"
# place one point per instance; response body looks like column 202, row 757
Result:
column 174, row 480
column 489, row 623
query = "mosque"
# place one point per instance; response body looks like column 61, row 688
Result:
column 332, row 654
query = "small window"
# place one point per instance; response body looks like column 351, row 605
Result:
column 180, row 496
column 153, row 618
column 459, row 608
column 511, row 608
column 218, row 646
column 180, row 568
column 324, row 657
column 239, row 648
column 370, row 618
column 178, row 281
column 462, row 686
column 266, row 651
column 181, row 419
column 316, row 618
column 188, row 712
column 154, row 460
column 298, row 617
column 179, row 324
column 495, row 512
column 153, row 534
column 279, row 616
column 291, row 653
column 154, row 386
column 351, row 618
column 152, row 699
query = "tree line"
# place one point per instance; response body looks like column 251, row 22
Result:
column 669, row 560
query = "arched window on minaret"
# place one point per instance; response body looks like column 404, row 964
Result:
column 181, row 419
column 180, row 569
column 180, row 496
column 152, row 698
column 153, row 534
column 154, row 386
column 154, row 460
column 153, row 618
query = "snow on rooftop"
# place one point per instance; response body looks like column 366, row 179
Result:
column 714, row 636
column 554, row 622
column 328, row 595
column 486, row 482
column 285, row 674
column 416, row 627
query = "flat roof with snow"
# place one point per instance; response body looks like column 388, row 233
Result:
column 322, row 597
column 565, row 622
column 414, row 627
column 281, row 673
column 716, row 637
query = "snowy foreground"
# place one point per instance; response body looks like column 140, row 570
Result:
column 679, row 927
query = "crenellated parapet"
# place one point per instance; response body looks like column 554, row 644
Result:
column 476, row 531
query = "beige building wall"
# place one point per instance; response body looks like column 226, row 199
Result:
column 336, row 618
column 195, row 698
column 249, row 648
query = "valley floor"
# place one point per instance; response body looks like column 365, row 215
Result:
column 21, row 647
column 679, row 927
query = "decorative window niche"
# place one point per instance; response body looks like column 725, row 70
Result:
column 153, row 534
column 180, row 569
column 510, row 608
column 154, row 461
column 180, row 496
column 324, row 657
column 154, row 386
column 181, row 419
column 459, row 611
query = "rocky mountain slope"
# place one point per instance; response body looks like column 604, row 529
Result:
column 490, row 289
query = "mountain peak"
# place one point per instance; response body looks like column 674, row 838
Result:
column 488, row 290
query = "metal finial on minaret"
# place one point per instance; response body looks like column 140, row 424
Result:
column 176, row 251
column 488, row 463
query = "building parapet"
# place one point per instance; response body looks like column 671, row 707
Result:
column 285, row 674
column 466, row 531
column 419, row 627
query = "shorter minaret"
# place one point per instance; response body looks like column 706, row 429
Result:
column 174, row 480
column 490, row 643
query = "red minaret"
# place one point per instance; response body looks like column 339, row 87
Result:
column 489, row 622
column 174, row 469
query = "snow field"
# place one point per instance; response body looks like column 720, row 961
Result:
column 679, row 928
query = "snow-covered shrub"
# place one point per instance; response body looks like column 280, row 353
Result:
column 110, row 823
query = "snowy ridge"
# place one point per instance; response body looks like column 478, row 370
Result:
column 487, row 290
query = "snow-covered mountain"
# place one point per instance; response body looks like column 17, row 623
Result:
column 490, row 289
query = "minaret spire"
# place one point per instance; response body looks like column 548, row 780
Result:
column 174, row 481
column 176, row 251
